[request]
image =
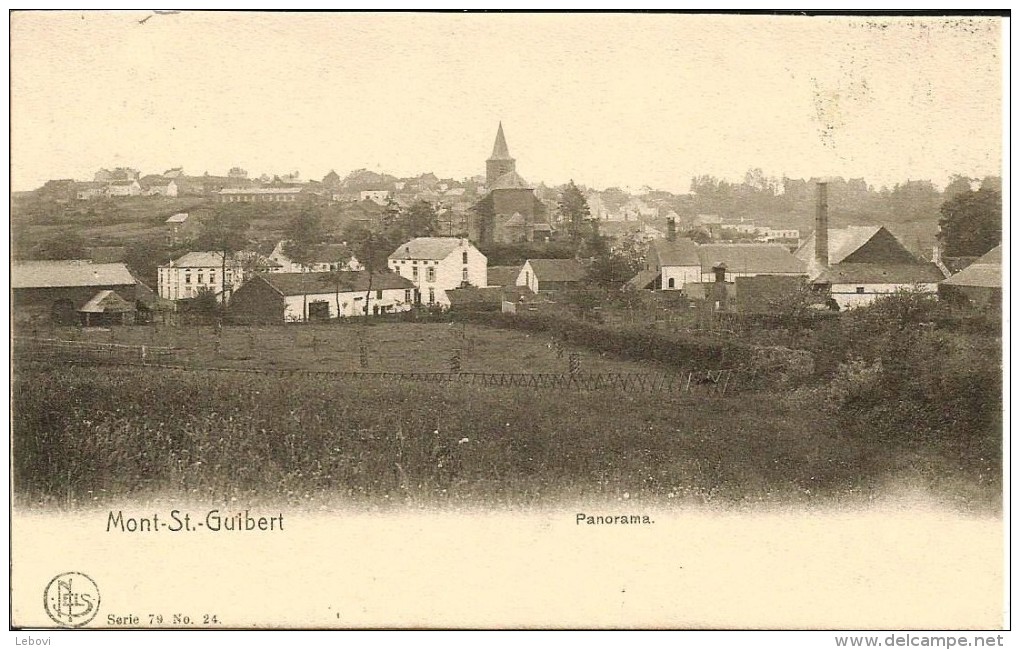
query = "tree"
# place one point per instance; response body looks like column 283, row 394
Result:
column 971, row 223
column 574, row 210
column 372, row 250
column 611, row 266
column 420, row 220
column 958, row 184
column 226, row 233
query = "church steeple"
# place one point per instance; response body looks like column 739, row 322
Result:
column 500, row 162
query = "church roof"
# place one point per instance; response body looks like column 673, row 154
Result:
column 499, row 149
column 510, row 180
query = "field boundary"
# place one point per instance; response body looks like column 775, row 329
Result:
column 706, row 381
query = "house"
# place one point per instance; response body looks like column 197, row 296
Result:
column 260, row 194
column 58, row 290
column 551, row 275
column 179, row 227
column 299, row 297
column 90, row 190
column 195, row 272
column 489, row 298
column 435, row 264
column 379, row 197
column 157, row 186
column 979, row 284
column 856, row 265
column 328, row 257
column 675, row 262
column 124, row 188
column 174, row 173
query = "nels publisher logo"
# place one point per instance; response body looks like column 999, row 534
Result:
column 71, row 599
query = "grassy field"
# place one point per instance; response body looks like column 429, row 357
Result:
column 90, row 434
column 391, row 347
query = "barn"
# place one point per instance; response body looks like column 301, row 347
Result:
column 274, row 298
column 58, row 290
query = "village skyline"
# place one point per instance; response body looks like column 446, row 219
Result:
column 578, row 100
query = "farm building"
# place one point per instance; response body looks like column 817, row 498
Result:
column 436, row 264
column 748, row 260
column 276, row 298
column 856, row 265
column 487, row 298
column 59, row 290
column 551, row 275
column 670, row 264
column 979, row 284
column 179, row 227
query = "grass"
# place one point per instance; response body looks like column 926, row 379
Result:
column 86, row 435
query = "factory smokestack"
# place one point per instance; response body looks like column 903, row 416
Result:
column 822, row 225
column 671, row 229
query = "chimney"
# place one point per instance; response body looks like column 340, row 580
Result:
column 822, row 225
column 671, row 229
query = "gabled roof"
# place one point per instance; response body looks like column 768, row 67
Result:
column 296, row 284
column 154, row 180
column 499, row 149
column 469, row 295
column 509, row 181
column 645, row 279
column 502, row 276
column 557, row 270
column 67, row 273
column 678, row 252
column 750, row 258
column 880, row 274
column 106, row 300
column 428, row 248
column 842, row 243
column 213, row 259
column 986, row 271
column 180, row 217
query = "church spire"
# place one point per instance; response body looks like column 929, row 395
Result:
column 499, row 150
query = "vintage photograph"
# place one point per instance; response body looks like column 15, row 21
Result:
column 439, row 320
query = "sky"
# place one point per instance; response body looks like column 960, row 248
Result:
column 622, row 100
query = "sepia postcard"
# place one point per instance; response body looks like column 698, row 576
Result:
column 504, row 321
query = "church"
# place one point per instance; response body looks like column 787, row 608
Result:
column 510, row 212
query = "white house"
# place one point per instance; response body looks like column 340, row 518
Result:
column 435, row 264
column 328, row 257
column 855, row 285
column 676, row 262
column 194, row 272
column 551, row 275
column 158, row 186
column 124, row 188
column 260, row 194
column 301, row 297
column 379, row 197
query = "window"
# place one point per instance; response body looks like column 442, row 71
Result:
column 187, row 278
column 464, row 275
column 860, row 289
column 201, row 278
column 464, row 257
column 430, row 274
column 212, row 278
column 672, row 283
column 378, row 294
column 414, row 272
column 432, row 296
column 407, row 295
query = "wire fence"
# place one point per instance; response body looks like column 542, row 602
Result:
column 717, row 382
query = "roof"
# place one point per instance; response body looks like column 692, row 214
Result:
column 154, row 180
column 296, row 284
column 90, row 185
column 467, row 295
column 499, row 149
column 880, row 274
column 106, row 300
column 260, row 190
column 428, row 248
column 842, row 242
column 180, row 217
column 986, row 271
column 750, row 258
column 678, row 252
column 557, row 270
column 501, row 276
column 643, row 280
column 199, row 258
column 510, row 180
column 126, row 183
column 68, row 273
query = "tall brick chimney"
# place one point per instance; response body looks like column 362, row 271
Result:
column 822, row 225
column 671, row 229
